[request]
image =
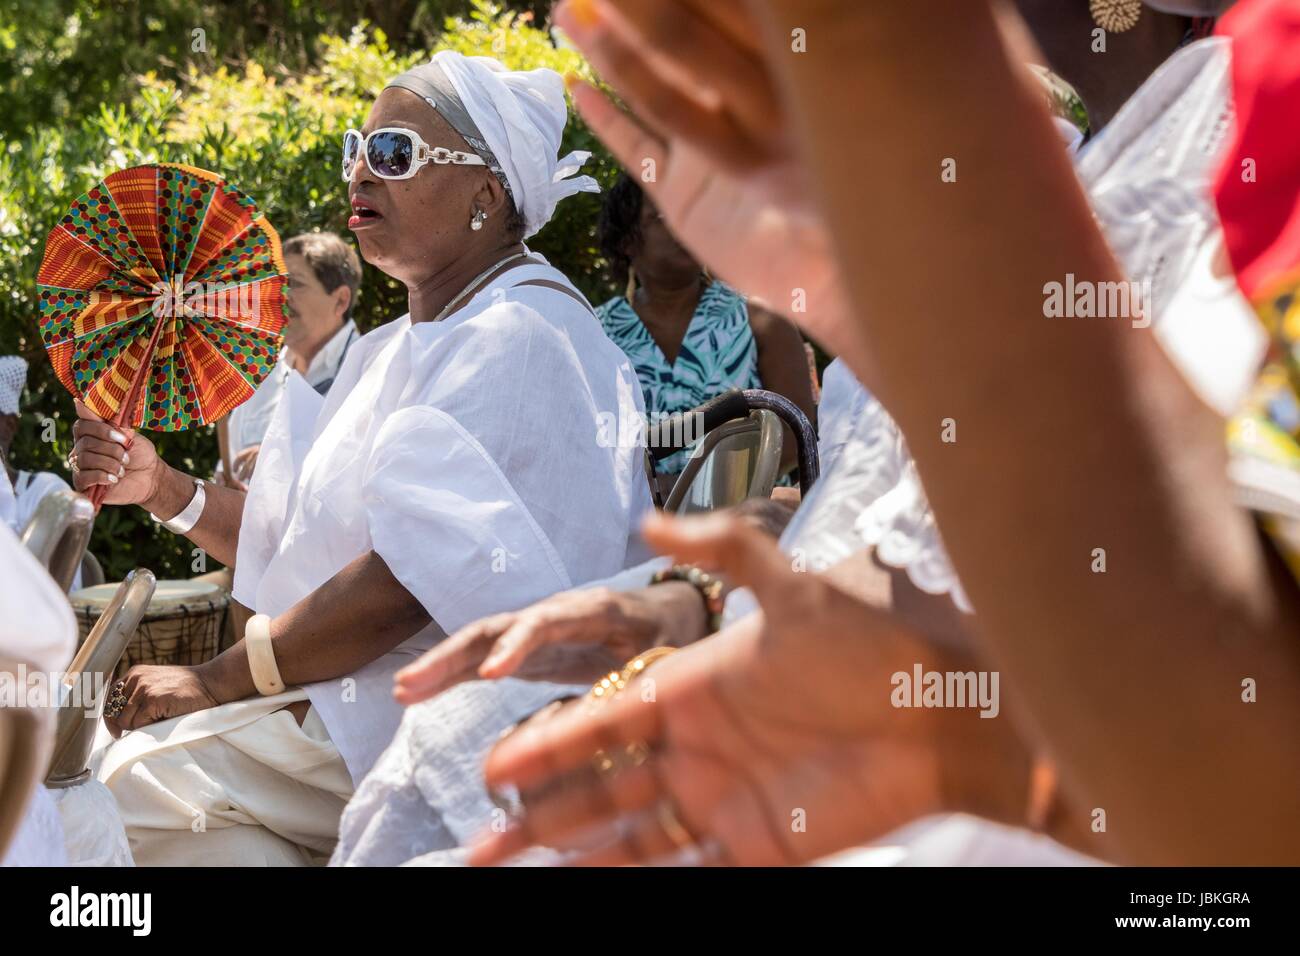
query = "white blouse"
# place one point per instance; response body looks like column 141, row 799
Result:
column 471, row 454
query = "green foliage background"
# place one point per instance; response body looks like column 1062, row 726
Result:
column 87, row 88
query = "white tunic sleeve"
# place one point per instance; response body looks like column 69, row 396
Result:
column 449, row 525
column 271, row 492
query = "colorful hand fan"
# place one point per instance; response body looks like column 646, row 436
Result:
column 162, row 298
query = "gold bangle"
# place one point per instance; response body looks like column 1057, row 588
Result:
column 611, row 685
column 637, row 665
column 614, row 682
column 261, row 656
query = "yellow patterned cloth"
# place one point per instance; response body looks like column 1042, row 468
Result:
column 1264, row 437
column 1258, row 198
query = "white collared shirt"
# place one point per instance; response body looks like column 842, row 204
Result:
column 248, row 422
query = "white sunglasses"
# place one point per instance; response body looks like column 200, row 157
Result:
column 396, row 153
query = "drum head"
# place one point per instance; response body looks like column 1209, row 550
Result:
column 172, row 595
column 168, row 596
column 94, row 598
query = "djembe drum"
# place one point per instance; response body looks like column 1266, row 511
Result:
column 183, row 624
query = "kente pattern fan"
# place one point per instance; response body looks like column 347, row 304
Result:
column 162, row 297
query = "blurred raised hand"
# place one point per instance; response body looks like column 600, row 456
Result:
column 773, row 742
column 571, row 637
column 708, row 139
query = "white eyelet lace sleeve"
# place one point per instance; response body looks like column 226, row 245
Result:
column 871, row 497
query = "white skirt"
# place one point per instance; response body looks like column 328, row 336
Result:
column 237, row 785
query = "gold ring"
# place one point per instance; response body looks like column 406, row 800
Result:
column 629, row 757
column 610, row 686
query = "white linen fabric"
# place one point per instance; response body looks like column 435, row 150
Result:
column 1071, row 135
column 238, row 785
column 37, row 629
column 425, row 797
column 960, row 840
column 521, row 115
column 869, row 496
column 40, row 839
column 1148, row 175
column 249, row 422
column 842, row 401
column 466, row 454
column 37, row 625
column 8, row 503
column 93, row 832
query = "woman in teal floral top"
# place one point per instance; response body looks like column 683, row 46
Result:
column 690, row 337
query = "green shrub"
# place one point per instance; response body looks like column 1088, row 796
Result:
column 275, row 133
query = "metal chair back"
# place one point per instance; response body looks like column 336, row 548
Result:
column 739, row 459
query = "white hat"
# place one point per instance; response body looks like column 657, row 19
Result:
column 13, row 379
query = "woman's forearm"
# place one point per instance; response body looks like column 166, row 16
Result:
column 217, row 530
column 1080, row 484
column 350, row 620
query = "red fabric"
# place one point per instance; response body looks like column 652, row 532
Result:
column 1261, row 218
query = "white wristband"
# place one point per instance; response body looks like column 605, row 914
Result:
column 189, row 515
column 261, row 656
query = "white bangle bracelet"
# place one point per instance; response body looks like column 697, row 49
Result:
column 261, row 656
column 189, row 515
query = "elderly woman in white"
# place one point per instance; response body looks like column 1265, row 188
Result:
column 455, row 469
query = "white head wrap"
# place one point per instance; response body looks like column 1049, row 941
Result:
column 521, row 115
column 13, row 378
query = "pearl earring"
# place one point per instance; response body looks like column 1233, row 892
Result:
column 477, row 222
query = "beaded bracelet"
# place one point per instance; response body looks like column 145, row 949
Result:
column 709, row 588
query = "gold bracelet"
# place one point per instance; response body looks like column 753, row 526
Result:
column 261, row 656
column 613, row 682
column 611, row 685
